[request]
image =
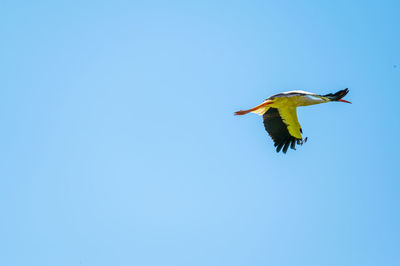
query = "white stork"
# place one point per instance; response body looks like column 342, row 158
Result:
column 280, row 116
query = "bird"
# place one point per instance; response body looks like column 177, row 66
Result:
column 280, row 115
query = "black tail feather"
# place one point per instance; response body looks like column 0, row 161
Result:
column 336, row 96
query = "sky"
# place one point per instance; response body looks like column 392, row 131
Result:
column 119, row 145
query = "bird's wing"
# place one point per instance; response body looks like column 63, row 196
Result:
column 283, row 127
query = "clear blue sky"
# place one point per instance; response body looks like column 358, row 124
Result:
column 119, row 145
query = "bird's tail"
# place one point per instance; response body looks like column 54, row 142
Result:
column 336, row 96
column 259, row 109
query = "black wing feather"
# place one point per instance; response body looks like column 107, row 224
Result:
column 278, row 131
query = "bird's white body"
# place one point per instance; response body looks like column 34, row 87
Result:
column 289, row 99
column 296, row 98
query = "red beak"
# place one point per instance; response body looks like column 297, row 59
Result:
column 343, row 101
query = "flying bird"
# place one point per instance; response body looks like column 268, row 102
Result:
column 280, row 115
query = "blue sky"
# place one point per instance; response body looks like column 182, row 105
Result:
column 119, row 144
